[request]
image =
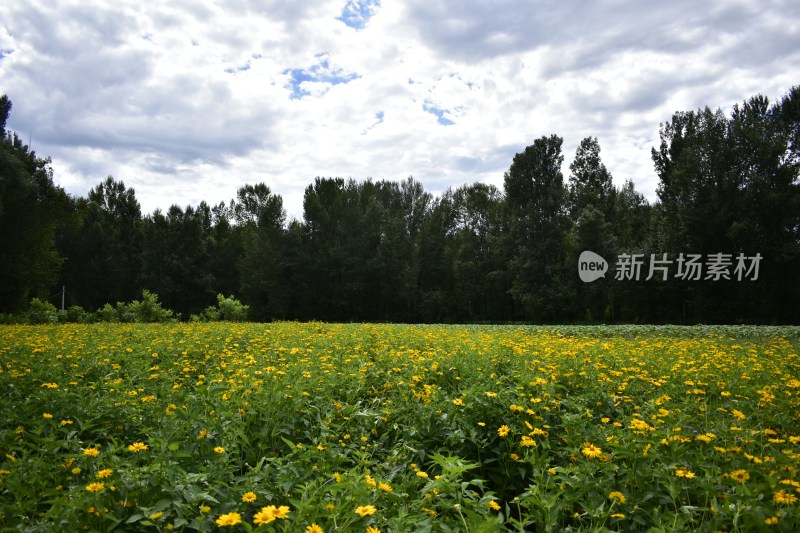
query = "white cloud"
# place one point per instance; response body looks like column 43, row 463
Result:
column 188, row 101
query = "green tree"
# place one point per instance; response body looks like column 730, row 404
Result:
column 536, row 199
column 176, row 258
column 731, row 185
column 591, row 196
column 260, row 216
column 30, row 209
column 108, row 258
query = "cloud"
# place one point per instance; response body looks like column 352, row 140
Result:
column 188, row 101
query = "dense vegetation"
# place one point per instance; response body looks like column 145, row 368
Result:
column 396, row 428
column 390, row 251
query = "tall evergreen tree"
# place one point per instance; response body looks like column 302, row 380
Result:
column 536, row 199
column 261, row 218
column 30, row 209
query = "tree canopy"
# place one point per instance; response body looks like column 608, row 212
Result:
column 728, row 195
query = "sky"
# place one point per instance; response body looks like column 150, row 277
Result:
column 186, row 101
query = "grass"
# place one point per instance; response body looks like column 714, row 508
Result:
column 395, row 428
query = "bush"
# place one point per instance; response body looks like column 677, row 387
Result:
column 8, row 318
column 148, row 309
column 42, row 312
column 78, row 314
column 107, row 313
column 229, row 309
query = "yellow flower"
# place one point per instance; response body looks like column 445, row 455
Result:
column 249, row 497
column 137, row 447
column 91, row 452
column 682, row 472
column 156, row 516
column 738, row 414
column 527, row 442
column 771, row 521
column 385, row 487
column 616, row 497
column 104, row 473
column 784, row 497
column 618, row 515
column 494, row 505
column 47, row 416
column 76, row 471
column 282, row 511
column 95, row 487
column 371, row 529
column 591, row 451
column 265, row 515
column 503, row 431
column 739, row 475
column 219, row 449
column 365, row 510
column 459, row 402
column 314, row 528
column 205, row 509
column 229, row 519
column 422, row 474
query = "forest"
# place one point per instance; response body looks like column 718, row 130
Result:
column 389, row 251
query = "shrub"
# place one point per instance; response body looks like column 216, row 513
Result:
column 8, row 318
column 148, row 309
column 42, row 312
column 228, row 309
column 78, row 314
column 231, row 309
column 107, row 313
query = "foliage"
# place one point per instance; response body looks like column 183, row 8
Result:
column 30, row 208
column 148, row 309
column 42, row 312
column 228, row 309
column 155, row 427
column 388, row 251
column 76, row 314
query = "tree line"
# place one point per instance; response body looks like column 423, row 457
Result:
column 391, row 251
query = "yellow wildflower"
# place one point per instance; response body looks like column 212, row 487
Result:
column 95, row 487
column 616, row 497
column 137, row 447
column 591, row 451
column 365, row 510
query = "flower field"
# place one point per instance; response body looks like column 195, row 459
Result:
column 394, row 428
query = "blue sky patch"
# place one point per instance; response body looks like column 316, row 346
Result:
column 356, row 13
column 439, row 112
column 321, row 72
column 378, row 120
